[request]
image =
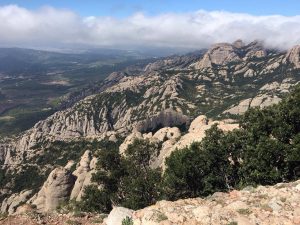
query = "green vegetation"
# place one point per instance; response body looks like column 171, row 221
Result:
column 161, row 217
column 264, row 151
column 244, row 211
column 128, row 181
column 232, row 223
column 73, row 222
column 21, row 118
column 32, row 81
column 127, row 221
column 29, row 178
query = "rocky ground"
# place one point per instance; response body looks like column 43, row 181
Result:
column 30, row 218
column 276, row 205
column 264, row 205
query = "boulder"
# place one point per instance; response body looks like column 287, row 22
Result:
column 117, row 215
column 55, row 190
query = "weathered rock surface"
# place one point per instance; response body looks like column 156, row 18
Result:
column 293, row 56
column 10, row 205
column 83, row 174
column 260, row 101
column 117, row 215
column 224, row 53
column 171, row 138
column 219, row 54
column 279, row 204
column 55, row 190
column 264, row 205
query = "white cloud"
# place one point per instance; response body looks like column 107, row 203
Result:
column 51, row 27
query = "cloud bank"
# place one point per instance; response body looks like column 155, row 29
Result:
column 56, row 27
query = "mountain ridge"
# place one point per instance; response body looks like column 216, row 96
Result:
column 168, row 93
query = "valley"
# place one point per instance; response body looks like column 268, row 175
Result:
column 34, row 83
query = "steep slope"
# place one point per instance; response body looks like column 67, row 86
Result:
column 224, row 82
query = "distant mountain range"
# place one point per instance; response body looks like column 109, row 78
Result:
column 221, row 83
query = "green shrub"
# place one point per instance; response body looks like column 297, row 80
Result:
column 127, row 221
column 128, row 181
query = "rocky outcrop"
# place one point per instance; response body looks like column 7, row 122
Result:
column 117, row 215
column 219, row 54
column 55, row 190
column 223, row 53
column 293, row 56
column 263, row 205
column 261, row 101
column 10, row 205
column 171, row 138
column 166, row 118
column 5, row 152
column 277, row 204
column 175, row 62
column 83, row 174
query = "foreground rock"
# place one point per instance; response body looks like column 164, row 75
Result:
column 117, row 215
column 276, row 205
column 30, row 217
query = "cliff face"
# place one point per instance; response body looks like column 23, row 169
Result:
column 224, row 81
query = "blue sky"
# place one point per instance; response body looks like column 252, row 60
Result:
column 120, row 9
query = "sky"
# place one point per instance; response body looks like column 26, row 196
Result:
column 134, row 24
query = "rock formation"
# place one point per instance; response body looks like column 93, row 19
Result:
column 224, row 53
column 171, row 138
column 293, row 56
column 10, row 205
column 55, row 190
column 83, row 174
column 117, row 215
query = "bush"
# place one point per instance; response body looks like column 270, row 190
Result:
column 127, row 221
column 125, row 180
column 265, row 151
column 198, row 170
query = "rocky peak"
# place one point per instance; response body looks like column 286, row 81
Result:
column 293, row 56
column 254, row 49
column 223, row 53
column 238, row 43
column 219, row 54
